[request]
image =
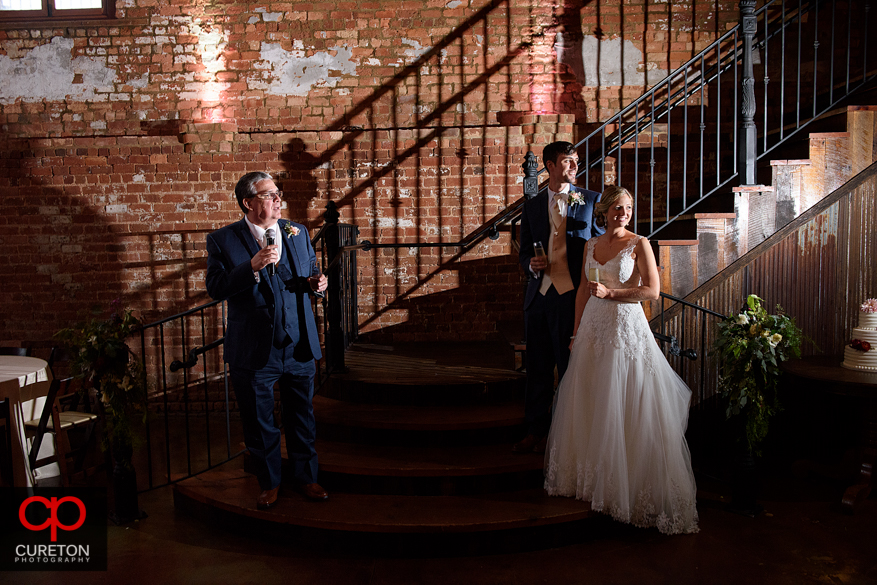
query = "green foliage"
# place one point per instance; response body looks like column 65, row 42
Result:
column 103, row 361
column 750, row 347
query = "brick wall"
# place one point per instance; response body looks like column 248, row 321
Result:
column 121, row 141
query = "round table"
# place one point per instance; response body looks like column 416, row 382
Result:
column 839, row 380
column 25, row 382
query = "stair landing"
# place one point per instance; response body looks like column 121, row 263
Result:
column 415, row 451
column 232, row 489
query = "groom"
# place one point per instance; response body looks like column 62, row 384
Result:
column 561, row 220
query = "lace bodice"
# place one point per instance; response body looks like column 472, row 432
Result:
column 621, row 324
column 620, row 271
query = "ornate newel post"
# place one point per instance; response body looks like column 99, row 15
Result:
column 531, row 182
column 746, row 150
column 335, row 337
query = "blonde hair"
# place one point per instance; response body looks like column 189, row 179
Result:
column 611, row 195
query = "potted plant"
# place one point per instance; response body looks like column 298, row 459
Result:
column 102, row 361
column 750, row 347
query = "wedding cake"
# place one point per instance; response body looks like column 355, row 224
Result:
column 861, row 353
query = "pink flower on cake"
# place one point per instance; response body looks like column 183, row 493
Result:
column 860, row 345
column 290, row 230
column 869, row 306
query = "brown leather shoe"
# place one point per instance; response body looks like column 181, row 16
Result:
column 528, row 444
column 313, row 491
column 268, row 498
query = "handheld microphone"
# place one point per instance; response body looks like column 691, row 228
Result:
column 270, row 241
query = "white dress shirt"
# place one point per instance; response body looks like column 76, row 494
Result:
column 259, row 236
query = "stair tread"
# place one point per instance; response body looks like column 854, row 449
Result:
column 414, row 461
column 422, row 418
column 394, row 369
column 231, row 489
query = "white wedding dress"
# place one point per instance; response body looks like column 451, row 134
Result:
column 617, row 434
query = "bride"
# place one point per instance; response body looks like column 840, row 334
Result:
column 617, row 435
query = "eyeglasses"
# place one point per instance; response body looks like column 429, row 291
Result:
column 269, row 195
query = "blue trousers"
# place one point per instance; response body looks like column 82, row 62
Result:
column 254, row 391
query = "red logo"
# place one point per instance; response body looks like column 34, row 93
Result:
column 53, row 522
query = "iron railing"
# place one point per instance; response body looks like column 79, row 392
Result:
column 695, row 131
column 189, row 400
column 694, row 368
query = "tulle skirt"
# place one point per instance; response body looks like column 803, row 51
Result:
column 617, row 435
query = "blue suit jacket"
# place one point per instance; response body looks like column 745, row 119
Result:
column 251, row 305
column 536, row 227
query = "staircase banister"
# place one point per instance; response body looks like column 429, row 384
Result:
column 762, row 248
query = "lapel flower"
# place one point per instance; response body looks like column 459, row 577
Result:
column 575, row 198
column 290, row 230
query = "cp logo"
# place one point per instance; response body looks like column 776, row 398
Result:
column 53, row 522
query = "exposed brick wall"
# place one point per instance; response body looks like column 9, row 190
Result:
column 121, row 142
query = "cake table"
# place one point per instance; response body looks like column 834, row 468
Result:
column 839, row 380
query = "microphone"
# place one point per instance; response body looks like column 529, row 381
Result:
column 270, row 241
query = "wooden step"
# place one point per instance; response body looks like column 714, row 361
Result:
column 408, row 461
column 382, row 524
column 412, row 470
column 418, row 418
column 419, row 425
column 386, row 377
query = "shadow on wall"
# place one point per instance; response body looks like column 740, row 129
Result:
column 491, row 290
column 299, row 183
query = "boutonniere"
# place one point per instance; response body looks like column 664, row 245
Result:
column 576, row 198
column 290, row 230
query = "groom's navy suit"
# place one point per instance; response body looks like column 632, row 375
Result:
column 271, row 337
column 548, row 319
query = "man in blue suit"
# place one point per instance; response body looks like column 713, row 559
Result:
column 555, row 228
column 265, row 268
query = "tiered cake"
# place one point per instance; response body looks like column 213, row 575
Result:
column 861, row 352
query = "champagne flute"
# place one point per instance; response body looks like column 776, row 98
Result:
column 316, row 273
column 594, row 274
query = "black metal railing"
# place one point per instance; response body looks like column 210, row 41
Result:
column 336, row 244
column 694, row 321
column 189, row 406
column 694, row 133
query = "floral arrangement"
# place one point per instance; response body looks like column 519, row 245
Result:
column 290, row 230
column 750, row 347
column 576, row 198
column 102, row 361
column 869, row 306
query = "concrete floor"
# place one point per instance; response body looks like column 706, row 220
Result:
column 802, row 537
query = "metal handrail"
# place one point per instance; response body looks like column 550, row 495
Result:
column 694, row 76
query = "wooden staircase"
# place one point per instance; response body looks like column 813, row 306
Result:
column 415, row 451
column 697, row 246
